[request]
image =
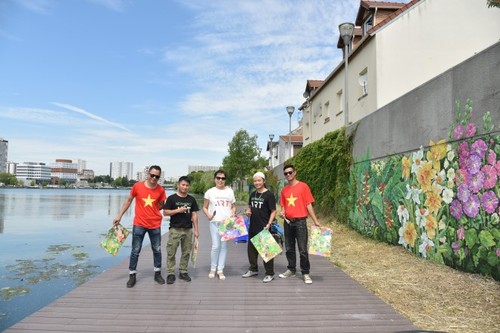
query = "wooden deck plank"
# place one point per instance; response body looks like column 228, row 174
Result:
column 333, row 303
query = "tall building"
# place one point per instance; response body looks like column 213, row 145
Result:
column 4, row 149
column 37, row 171
column 64, row 170
column 82, row 165
column 11, row 168
column 121, row 169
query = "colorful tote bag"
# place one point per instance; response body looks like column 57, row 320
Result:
column 114, row 239
column 320, row 239
column 232, row 228
column 266, row 245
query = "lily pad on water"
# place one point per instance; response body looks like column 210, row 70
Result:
column 10, row 292
column 48, row 269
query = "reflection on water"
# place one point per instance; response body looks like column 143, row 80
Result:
column 49, row 244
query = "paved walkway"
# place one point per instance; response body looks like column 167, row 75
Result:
column 333, row 303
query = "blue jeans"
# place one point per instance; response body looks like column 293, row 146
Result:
column 138, row 234
column 219, row 249
column 297, row 231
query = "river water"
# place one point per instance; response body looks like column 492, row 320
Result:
column 50, row 244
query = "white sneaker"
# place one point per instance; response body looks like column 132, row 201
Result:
column 268, row 278
column 249, row 274
column 287, row 274
column 307, row 279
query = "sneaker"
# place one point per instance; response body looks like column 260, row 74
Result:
column 159, row 278
column 249, row 274
column 287, row 274
column 185, row 277
column 170, row 278
column 268, row 278
column 307, row 279
column 131, row 281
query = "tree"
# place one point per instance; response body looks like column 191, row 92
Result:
column 201, row 181
column 493, row 3
column 121, row 181
column 103, row 179
column 8, row 179
column 244, row 157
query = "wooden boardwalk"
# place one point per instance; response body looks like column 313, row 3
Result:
column 333, row 303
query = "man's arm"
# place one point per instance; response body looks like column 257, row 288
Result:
column 310, row 210
column 194, row 217
column 125, row 206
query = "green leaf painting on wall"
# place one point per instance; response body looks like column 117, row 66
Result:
column 440, row 202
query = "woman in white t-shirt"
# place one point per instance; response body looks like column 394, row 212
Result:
column 218, row 205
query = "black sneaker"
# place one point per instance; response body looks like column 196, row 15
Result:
column 170, row 278
column 131, row 281
column 159, row 278
column 185, row 277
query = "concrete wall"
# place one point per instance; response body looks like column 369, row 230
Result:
column 427, row 112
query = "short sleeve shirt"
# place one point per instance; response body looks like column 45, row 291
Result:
column 261, row 206
column 148, row 203
column 221, row 202
column 295, row 199
column 181, row 220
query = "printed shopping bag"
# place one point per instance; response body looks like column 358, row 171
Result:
column 194, row 252
column 244, row 238
column 114, row 239
column 232, row 228
column 320, row 239
column 266, row 245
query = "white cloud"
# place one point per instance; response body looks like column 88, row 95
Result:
column 88, row 114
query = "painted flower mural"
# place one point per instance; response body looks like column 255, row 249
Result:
column 442, row 201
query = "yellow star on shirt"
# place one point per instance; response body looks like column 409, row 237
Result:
column 148, row 201
column 291, row 200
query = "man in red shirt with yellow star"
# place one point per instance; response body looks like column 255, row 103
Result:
column 150, row 198
column 296, row 205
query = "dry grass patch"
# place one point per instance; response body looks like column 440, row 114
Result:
column 432, row 296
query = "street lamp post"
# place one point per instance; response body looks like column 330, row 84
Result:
column 290, row 110
column 271, row 137
column 346, row 31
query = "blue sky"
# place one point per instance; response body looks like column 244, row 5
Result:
column 157, row 82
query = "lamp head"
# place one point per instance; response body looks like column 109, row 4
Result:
column 271, row 137
column 346, row 31
column 290, row 110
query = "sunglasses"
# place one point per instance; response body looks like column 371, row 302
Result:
column 288, row 173
column 154, row 176
column 220, row 178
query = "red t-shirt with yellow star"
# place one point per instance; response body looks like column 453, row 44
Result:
column 148, row 202
column 295, row 198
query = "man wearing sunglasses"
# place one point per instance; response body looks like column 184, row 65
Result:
column 296, row 205
column 150, row 198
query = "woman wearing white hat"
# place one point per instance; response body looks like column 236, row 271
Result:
column 261, row 211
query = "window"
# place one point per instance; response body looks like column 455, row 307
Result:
column 340, row 103
column 363, row 83
column 368, row 24
column 326, row 111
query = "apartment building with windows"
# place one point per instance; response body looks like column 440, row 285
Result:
column 396, row 48
column 37, row 171
column 121, row 169
column 64, row 170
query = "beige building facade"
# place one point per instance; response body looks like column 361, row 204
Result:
column 397, row 48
